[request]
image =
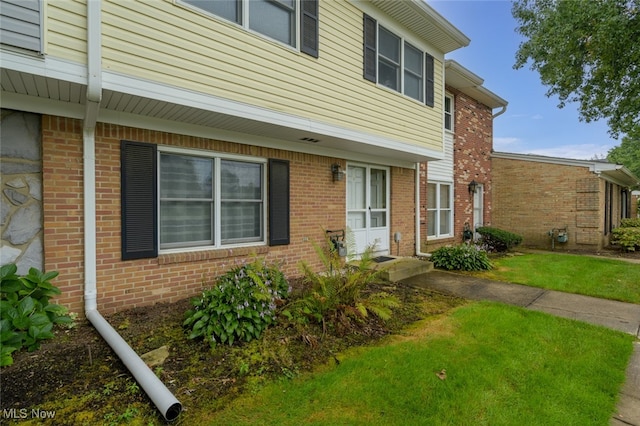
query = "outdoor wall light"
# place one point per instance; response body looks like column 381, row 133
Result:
column 337, row 172
column 473, row 185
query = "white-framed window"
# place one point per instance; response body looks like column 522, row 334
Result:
column 439, row 209
column 209, row 200
column 389, row 65
column 276, row 19
column 448, row 112
column 413, row 72
column 391, row 61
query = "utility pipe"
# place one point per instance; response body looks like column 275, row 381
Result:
column 164, row 400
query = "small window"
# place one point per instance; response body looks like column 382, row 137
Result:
column 448, row 112
column 439, row 210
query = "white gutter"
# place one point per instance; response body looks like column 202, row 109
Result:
column 502, row 111
column 164, row 400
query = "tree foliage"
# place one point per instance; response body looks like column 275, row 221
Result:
column 627, row 153
column 585, row 51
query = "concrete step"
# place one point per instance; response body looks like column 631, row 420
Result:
column 401, row 268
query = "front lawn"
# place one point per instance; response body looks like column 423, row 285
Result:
column 486, row 363
column 587, row 275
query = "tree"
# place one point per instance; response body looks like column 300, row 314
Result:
column 627, row 153
column 586, row 51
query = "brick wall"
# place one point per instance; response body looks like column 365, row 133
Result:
column 472, row 146
column 403, row 212
column 532, row 198
column 317, row 203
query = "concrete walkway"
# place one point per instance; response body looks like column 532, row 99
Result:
column 616, row 315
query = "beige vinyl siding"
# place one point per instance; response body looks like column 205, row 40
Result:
column 166, row 42
column 66, row 30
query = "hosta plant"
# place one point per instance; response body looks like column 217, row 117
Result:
column 26, row 316
column 240, row 305
column 463, row 257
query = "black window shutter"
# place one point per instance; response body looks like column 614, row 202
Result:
column 370, row 50
column 138, row 174
column 278, row 202
column 430, row 95
column 309, row 27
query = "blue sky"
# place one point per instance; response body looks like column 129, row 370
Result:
column 533, row 123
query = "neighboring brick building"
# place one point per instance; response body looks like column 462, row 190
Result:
column 545, row 198
column 447, row 204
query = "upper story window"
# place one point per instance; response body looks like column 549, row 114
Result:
column 276, row 19
column 448, row 112
column 391, row 61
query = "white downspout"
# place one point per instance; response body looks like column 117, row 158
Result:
column 164, row 400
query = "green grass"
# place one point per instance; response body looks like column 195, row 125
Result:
column 604, row 278
column 504, row 365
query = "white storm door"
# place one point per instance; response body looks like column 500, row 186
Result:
column 368, row 208
column 478, row 209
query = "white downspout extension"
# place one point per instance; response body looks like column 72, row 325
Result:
column 164, row 400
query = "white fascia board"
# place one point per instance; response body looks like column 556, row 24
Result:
column 180, row 96
column 46, row 66
column 543, row 159
column 156, row 124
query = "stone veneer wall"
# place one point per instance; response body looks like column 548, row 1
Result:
column 21, row 202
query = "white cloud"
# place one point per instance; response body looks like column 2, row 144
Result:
column 537, row 117
column 504, row 144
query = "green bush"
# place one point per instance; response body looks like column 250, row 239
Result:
column 338, row 293
column 497, row 240
column 26, row 316
column 630, row 223
column 463, row 257
column 239, row 307
column 626, row 237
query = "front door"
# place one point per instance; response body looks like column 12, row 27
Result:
column 368, row 208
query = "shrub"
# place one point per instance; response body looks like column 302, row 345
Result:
column 26, row 316
column 626, row 237
column 498, row 240
column 463, row 257
column 239, row 307
column 337, row 294
column 630, row 223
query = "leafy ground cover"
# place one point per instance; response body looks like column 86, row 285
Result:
column 77, row 376
column 466, row 368
column 591, row 276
